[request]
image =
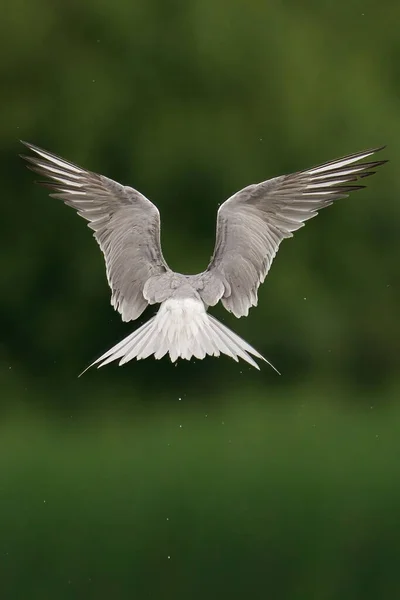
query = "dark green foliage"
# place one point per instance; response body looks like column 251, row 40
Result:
column 189, row 103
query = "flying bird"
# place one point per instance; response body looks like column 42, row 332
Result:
column 251, row 224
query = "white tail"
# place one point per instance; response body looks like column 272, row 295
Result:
column 183, row 329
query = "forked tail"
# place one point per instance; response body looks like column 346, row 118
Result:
column 183, row 329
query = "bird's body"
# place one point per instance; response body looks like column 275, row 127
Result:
column 250, row 227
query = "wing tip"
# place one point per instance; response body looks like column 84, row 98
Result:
column 379, row 148
column 369, row 151
column 29, row 145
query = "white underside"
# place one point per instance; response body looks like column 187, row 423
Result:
column 183, row 329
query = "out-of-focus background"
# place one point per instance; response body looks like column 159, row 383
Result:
column 205, row 479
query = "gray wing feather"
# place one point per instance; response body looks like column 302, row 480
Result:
column 253, row 222
column 126, row 226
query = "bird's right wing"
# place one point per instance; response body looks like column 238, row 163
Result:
column 126, row 226
column 253, row 222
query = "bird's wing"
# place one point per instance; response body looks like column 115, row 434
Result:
column 126, row 226
column 253, row 222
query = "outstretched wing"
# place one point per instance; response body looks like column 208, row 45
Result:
column 253, row 222
column 126, row 226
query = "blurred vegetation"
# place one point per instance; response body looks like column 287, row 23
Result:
column 285, row 501
column 296, row 495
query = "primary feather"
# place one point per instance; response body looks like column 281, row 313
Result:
column 126, row 226
column 253, row 222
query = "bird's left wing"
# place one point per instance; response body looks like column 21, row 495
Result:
column 126, row 226
column 253, row 222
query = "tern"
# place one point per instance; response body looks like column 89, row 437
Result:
column 251, row 224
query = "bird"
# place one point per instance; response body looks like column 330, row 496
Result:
column 250, row 227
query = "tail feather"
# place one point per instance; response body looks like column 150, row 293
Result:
column 143, row 346
column 243, row 345
column 163, row 347
column 122, row 349
column 183, row 329
column 229, row 347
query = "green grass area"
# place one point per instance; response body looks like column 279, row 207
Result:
column 286, row 501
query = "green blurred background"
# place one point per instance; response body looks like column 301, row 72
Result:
column 206, row 479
